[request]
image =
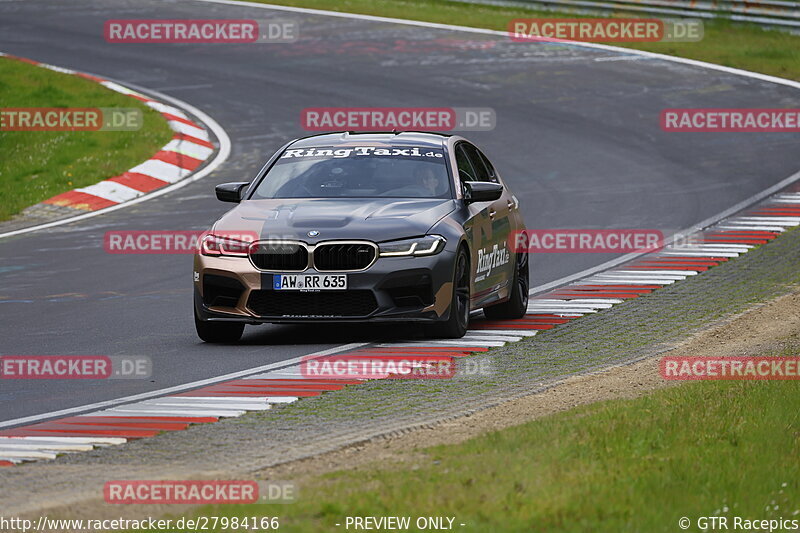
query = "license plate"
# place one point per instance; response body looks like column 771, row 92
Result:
column 309, row 282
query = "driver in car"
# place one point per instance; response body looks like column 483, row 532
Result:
column 427, row 178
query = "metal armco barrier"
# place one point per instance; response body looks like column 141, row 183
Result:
column 783, row 14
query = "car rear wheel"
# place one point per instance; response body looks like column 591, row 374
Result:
column 218, row 332
column 517, row 305
column 456, row 325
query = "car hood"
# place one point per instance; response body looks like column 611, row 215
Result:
column 374, row 219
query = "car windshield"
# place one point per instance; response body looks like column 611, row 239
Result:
column 357, row 172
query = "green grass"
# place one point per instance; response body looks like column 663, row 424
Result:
column 725, row 448
column 737, row 45
column 38, row 165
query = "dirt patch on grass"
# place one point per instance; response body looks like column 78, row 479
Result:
column 764, row 328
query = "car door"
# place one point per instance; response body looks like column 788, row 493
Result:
column 487, row 229
column 509, row 220
column 496, row 260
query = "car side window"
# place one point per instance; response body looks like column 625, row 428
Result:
column 465, row 170
column 481, row 172
column 489, row 166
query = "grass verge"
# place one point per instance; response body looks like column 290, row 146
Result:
column 38, row 165
column 744, row 46
column 624, row 465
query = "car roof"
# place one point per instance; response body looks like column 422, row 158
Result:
column 400, row 138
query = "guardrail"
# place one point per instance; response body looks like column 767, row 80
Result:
column 781, row 14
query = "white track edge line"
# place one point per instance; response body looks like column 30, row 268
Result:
column 177, row 388
column 696, row 227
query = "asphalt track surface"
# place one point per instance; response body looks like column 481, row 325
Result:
column 577, row 139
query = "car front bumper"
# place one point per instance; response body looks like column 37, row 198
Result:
column 391, row 289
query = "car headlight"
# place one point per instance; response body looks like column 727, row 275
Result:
column 215, row 246
column 427, row 245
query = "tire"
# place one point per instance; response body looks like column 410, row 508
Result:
column 457, row 322
column 218, row 332
column 517, row 305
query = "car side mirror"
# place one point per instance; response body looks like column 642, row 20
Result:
column 231, row 192
column 482, row 191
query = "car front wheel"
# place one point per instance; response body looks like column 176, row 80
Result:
column 455, row 326
column 218, row 332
